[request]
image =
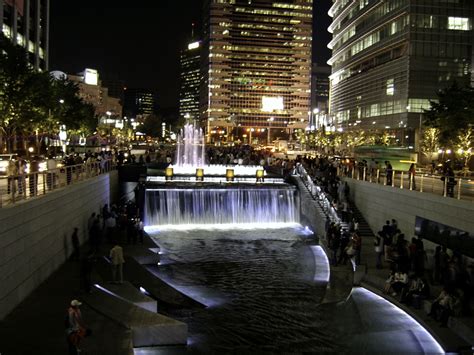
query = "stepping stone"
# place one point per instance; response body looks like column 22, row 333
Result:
column 130, row 293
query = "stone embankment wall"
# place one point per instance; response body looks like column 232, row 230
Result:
column 35, row 235
column 378, row 203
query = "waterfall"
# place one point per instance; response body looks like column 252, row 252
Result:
column 180, row 206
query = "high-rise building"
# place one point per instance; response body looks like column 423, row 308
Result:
column 92, row 91
column 257, row 67
column 390, row 58
column 190, row 81
column 319, row 95
column 139, row 102
column 26, row 23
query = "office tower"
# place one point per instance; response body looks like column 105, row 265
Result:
column 139, row 102
column 390, row 58
column 256, row 67
column 319, row 95
column 190, row 81
column 26, row 23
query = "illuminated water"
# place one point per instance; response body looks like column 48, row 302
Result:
column 225, row 205
column 191, row 154
column 260, row 287
column 190, row 150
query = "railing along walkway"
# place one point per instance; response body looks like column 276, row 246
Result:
column 14, row 189
column 461, row 188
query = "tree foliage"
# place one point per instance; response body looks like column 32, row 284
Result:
column 452, row 113
column 32, row 101
column 152, row 126
column 430, row 142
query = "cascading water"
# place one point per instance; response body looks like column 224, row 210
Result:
column 184, row 206
column 190, row 149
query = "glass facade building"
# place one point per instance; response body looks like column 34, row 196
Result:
column 391, row 57
column 139, row 102
column 256, row 65
column 190, row 81
column 26, row 23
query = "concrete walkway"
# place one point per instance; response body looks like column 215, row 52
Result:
column 374, row 279
column 36, row 326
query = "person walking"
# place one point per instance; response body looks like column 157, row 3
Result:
column 117, row 261
column 75, row 327
column 33, row 176
column 87, row 264
column 75, row 244
column 388, row 172
column 411, row 177
column 51, row 176
column 12, row 172
column 378, row 245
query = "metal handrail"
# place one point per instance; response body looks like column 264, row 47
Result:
column 462, row 188
column 21, row 187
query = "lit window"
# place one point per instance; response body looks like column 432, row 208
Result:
column 459, row 23
column 7, row 31
column 390, row 87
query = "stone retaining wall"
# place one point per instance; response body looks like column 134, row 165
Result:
column 35, row 235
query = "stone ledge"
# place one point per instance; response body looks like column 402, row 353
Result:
column 148, row 328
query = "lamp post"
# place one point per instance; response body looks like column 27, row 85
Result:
column 270, row 120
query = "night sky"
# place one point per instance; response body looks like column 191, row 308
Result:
column 139, row 44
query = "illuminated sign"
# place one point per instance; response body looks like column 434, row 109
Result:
column 193, row 45
column 270, row 104
column 91, row 76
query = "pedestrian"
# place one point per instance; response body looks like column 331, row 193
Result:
column 75, row 327
column 117, row 261
column 357, row 246
column 378, row 245
column 388, row 172
column 21, row 166
column 110, row 227
column 87, row 265
column 33, row 176
column 411, row 177
column 131, row 231
column 51, row 176
column 140, row 230
column 94, row 235
column 75, row 244
column 12, row 172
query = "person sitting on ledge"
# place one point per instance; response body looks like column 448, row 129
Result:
column 396, row 283
column 418, row 290
column 443, row 306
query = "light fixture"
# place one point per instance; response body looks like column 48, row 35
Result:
column 169, row 174
column 199, row 174
column 229, row 174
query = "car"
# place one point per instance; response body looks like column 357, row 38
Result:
column 4, row 159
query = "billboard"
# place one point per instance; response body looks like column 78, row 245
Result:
column 91, row 77
column 272, row 103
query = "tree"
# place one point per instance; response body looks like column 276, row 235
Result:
column 152, row 126
column 453, row 113
column 31, row 101
column 430, row 142
column 464, row 145
column 21, row 92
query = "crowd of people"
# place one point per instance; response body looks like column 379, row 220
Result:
column 105, row 229
column 413, row 275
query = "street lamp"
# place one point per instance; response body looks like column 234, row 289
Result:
column 270, row 120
